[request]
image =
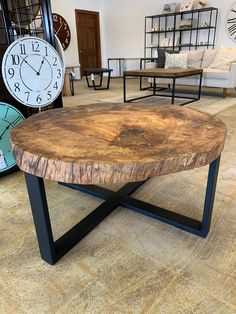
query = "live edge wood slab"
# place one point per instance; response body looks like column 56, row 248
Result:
column 116, row 143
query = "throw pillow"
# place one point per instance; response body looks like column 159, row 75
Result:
column 194, row 58
column 176, row 61
column 223, row 58
column 162, row 57
column 208, row 57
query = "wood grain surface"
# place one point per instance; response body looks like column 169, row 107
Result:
column 116, row 143
column 162, row 72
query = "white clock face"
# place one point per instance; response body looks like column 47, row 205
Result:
column 33, row 72
column 231, row 22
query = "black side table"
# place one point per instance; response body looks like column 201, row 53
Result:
column 99, row 71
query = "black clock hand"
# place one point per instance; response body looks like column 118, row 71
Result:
column 4, row 131
column 29, row 65
column 41, row 66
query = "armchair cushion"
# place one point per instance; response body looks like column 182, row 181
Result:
column 223, row 58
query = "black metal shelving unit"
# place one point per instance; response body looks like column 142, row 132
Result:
column 201, row 34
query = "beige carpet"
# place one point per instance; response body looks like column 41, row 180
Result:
column 130, row 263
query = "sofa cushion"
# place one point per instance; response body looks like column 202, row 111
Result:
column 224, row 58
column 194, row 58
column 176, row 61
column 162, row 57
column 216, row 74
column 208, row 57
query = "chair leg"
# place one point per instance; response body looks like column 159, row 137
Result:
column 224, row 92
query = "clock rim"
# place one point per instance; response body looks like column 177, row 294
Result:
column 232, row 5
column 18, row 41
column 14, row 166
column 69, row 30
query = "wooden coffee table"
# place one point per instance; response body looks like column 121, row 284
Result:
column 173, row 74
column 114, row 143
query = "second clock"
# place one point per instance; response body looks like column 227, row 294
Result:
column 62, row 30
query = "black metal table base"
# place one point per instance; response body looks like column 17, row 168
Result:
column 155, row 89
column 99, row 71
column 51, row 251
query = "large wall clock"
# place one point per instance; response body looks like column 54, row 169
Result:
column 62, row 30
column 33, row 72
column 9, row 118
column 231, row 22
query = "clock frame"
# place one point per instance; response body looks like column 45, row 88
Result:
column 62, row 30
column 33, row 72
column 231, row 22
column 9, row 118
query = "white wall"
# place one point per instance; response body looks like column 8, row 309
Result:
column 66, row 8
column 122, row 24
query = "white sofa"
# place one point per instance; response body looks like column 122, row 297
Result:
column 212, row 77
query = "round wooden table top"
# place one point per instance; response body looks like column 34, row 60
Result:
column 109, row 143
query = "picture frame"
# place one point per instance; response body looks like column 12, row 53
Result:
column 170, row 8
column 186, row 5
column 166, row 8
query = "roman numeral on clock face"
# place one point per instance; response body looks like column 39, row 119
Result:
column 232, row 29
column 231, row 21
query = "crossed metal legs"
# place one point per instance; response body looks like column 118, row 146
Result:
column 51, row 251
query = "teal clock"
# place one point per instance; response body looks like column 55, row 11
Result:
column 9, row 118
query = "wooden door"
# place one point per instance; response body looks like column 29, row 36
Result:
column 88, row 34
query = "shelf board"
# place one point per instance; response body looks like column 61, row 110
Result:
column 181, row 30
column 183, row 12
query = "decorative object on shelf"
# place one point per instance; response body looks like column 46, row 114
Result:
column 27, row 13
column 199, row 4
column 185, row 24
column 171, row 42
column 9, row 118
column 166, row 9
column 33, row 72
column 164, row 42
column 177, row 41
column 231, row 22
column 204, row 24
column 62, row 30
column 186, row 5
column 169, row 8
